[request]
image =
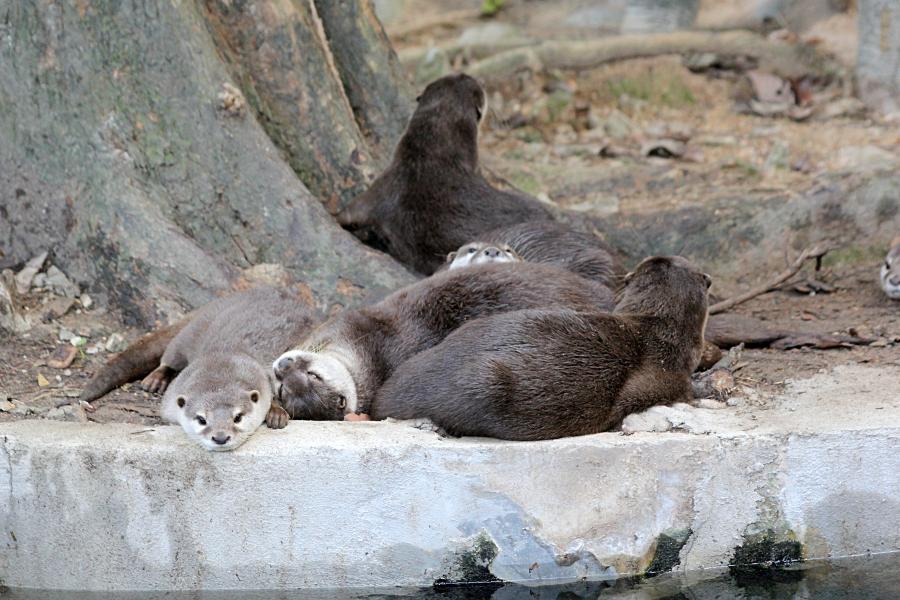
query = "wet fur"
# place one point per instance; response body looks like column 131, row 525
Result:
column 544, row 374
column 375, row 340
column 432, row 198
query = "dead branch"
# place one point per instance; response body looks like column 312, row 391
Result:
column 785, row 59
column 813, row 252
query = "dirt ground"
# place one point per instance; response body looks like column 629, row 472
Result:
column 575, row 140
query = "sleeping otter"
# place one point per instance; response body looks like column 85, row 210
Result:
column 340, row 366
column 544, row 374
column 432, row 199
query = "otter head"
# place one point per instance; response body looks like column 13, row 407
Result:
column 221, row 404
column 677, row 292
column 444, row 126
column 890, row 271
column 479, row 253
column 314, row 386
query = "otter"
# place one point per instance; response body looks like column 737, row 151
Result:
column 481, row 253
column 545, row 374
column 552, row 243
column 338, row 368
column 432, row 198
column 890, row 271
column 213, row 370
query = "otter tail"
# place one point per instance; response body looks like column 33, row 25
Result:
column 135, row 361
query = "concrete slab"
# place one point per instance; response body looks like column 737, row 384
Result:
column 337, row 505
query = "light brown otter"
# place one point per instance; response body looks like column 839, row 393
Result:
column 544, row 374
column 338, row 369
column 432, row 199
column 550, row 243
column 214, row 370
column 481, row 253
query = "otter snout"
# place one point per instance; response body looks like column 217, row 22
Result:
column 221, row 438
column 491, row 252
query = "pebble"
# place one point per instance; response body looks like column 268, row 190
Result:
column 65, row 335
column 115, row 343
column 78, row 341
column 57, row 307
column 62, row 357
column 86, row 301
column 62, row 412
column 95, row 349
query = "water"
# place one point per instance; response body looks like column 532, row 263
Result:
column 872, row 578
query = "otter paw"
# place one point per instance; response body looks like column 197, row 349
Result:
column 277, row 418
column 157, row 381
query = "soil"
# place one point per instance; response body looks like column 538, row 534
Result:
column 545, row 133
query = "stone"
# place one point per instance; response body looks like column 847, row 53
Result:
column 60, row 284
column 62, row 357
column 57, row 307
column 115, row 343
column 65, row 335
column 618, row 126
column 866, row 158
column 25, row 277
column 78, row 341
column 86, row 301
column 12, row 318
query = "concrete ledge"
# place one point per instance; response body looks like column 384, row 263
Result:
column 326, row 505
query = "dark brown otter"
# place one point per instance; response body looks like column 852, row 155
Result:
column 338, row 369
column 552, row 243
column 544, row 374
column 432, row 198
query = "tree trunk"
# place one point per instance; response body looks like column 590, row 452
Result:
column 125, row 149
column 373, row 78
column 878, row 59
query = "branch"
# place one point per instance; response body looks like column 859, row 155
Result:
column 813, row 252
column 787, row 60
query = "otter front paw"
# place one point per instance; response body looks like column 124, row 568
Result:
column 157, row 381
column 277, row 417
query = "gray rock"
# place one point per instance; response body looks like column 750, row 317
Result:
column 65, row 335
column 40, row 281
column 86, row 301
column 60, row 284
column 115, row 343
column 25, row 277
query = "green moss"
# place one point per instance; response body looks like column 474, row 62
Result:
column 668, row 550
column 489, row 8
column 761, row 562
column 665, row 89
column 854, row 255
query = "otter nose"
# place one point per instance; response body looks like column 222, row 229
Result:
column 491, row 252
column 221, row 438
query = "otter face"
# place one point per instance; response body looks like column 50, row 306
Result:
column 221, row 420
column 314, row 387
column 480, row 253
column 890, row 271
column 464, row 90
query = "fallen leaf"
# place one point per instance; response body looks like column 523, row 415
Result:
column 42, row 381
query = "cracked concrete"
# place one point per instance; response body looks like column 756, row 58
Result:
column 118, row 507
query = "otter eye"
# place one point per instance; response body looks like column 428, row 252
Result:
column 887, row 265
column 201, row 420
column 471, row 250
column 314, row 376
column 238, row 417
column 180, row 401
column 342, row 402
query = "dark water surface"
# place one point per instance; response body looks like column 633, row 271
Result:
column 869, row 578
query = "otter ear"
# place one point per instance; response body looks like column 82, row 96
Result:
column 628, row 277
column 254, row 396
column 451, row 257
column 180, row 401
column 419, row 97
column 708, row 280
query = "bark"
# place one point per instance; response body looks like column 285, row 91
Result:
column 878, row 59
column 117, row 153
column 278, row 51
column 373, row 79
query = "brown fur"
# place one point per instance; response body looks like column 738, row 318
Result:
column 382, row 336
column 432, row 198
column 544, row 374
column 551, row 243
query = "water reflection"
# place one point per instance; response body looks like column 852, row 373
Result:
column 872, row 578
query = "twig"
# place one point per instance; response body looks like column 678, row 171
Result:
column 816, row 252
